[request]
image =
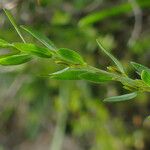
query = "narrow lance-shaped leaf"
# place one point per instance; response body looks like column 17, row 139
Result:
column 96, row 77
column 139, row 68
column 109, row 12
column 146, row 77
column 68, row 74
column 15, row 59
column 13, row 22
column 118, row 64
column 78, row 74
column 4, row 44
column 69, row 56
column 41, row 37
column 33, row 49
column 120, row 98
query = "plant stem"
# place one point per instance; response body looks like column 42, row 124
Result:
column 59, row 132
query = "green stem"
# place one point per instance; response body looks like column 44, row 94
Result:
column 135, row 85
column 59, row 132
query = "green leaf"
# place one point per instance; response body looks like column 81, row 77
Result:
column 139, row 68
column 114, row 11
column 69, row 56
column 15, row 59
column 33, row 49
column 96, row 77
column 121, row 97
column 78, row 74
column 4, row 44
column 67, row 74
column 41, row 37
column 13, row 22
column 118, row 64
column 146, row 77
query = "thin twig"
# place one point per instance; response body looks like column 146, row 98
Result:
column 138, row 22
column 59, row 132
column 12, row 91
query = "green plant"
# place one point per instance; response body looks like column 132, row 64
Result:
column 76, row 67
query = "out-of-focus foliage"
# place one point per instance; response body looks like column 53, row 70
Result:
column 31, row 107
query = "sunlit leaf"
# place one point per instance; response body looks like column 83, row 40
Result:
column 15, row 59
column 118, row 64
column 139, row 68
column 4, row 43
column 67, row 74
column 96, row 77
column 41, row 37
column 70, row 56
column 13, row 22
column 121, row 97
column 146, row 77
column 33, row 49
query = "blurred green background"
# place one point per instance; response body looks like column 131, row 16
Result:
column 44, row 114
